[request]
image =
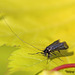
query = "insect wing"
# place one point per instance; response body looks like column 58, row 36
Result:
column 54, row 43
column 63, row 46
column 59, row 46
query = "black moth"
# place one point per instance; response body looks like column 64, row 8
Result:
column 55, row 46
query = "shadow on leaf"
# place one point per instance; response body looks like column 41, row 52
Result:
column 63, row 53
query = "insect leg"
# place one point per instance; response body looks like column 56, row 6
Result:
column 49, row 55
column 57, row 56
column 35, row 53
column 60, row 52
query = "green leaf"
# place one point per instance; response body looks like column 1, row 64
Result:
column 39, row 23
column 5, row 52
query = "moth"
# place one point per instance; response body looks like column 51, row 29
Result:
column 55, row 46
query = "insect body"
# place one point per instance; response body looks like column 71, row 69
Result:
column 55, row 46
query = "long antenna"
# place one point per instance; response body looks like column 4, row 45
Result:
column 24, row 42
column 18, row 36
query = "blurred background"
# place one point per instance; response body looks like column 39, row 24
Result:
column 38, row 22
